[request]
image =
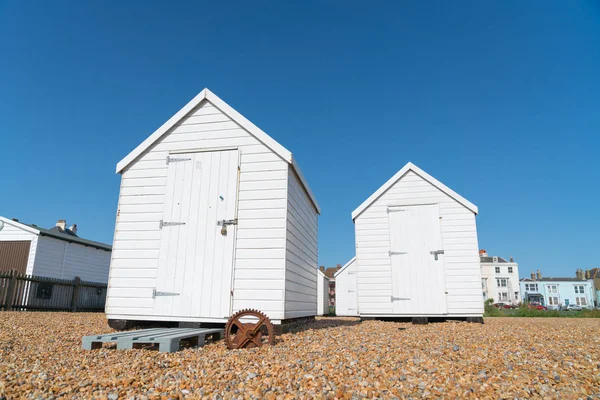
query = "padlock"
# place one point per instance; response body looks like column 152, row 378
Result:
column 224, row 230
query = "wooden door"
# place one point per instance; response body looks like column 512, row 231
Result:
column 196, row 252
column 417, row 274
column 14, row 256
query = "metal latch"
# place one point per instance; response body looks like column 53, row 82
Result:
column 175, row 159
column 225, row 222
column 436, row 252
column 395, row 253
column 163, row 223
column 399, row 298
column 155, row 293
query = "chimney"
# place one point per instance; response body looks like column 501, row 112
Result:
column 539, row 275
column 321, row 268
column 62, row 224
column 512, row 259
column 73, row 229
column 533, row 275
column 339, row 266
column 588, row 275
column 482, row 253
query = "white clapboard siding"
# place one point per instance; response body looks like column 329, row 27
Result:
column 65, row 260
column 14, row 233
column 301, row 252
column 459, row 239
column 261, row 229
column 345, row 290
column 322, row 294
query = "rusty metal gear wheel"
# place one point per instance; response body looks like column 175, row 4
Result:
column 255, row 331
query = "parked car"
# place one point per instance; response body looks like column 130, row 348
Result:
column 573, row 307
column 503, row 305
column 537, row 306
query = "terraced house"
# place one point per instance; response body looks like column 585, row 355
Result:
column 499, row 278
column 559, row 292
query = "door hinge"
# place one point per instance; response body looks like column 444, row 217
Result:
column 399, row 298
column 156, row 293
column 396, row 253
column 163, row 223
column 176, row 159
column 225, row 222
column 436, row 252
column 391, row 210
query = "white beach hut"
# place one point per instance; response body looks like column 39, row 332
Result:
column 416, row 251
column 322, row 294
column 346, row 301
column 214, row 216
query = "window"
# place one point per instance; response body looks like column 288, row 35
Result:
column 510, row 270
column 516, row 295
column 503, row 296
column 552, row 301
column 502, row 282
column 484, row 283
column 44, row 291
column 531, row 287
column 579, row 289
column 581, row 301
column 552, row 288
column 497, row 270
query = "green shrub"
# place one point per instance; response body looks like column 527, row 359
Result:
column 332, row 311
column 489, row 309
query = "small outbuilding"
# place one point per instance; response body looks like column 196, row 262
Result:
column 322, row 294
column 214, row 216
column 345, row 282
column 417, row 251
column 58, row 252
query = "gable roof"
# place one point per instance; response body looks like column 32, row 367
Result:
column 56, row 233
column 322, row 274
column 412, row 167
column 345, row 266
column 238, row 118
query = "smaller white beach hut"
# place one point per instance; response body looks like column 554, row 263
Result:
column 322, row 294
column 416, row 251
column 346, row 301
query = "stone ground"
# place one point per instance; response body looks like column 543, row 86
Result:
column 41, row 357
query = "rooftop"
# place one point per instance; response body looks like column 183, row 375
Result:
column 65, row 234
column 552, row 279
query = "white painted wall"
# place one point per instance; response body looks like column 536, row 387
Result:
column 322, row 294
column 346, row 301
column 459, row 238
column 60, row 259
column 260, row 258
column 301, row 252
column 12, row 232
column 491, row 289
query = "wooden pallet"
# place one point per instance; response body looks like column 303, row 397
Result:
column 168, row 339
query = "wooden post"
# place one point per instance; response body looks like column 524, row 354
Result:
column 12, row 286
column 75, row 296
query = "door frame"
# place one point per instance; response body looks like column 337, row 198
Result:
column 389, row 209
column 235, row 212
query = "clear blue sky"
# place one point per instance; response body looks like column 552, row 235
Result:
column 500, row 101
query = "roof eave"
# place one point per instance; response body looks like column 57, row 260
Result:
column 411, row 167
column 345, row 266
column 20, row 225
